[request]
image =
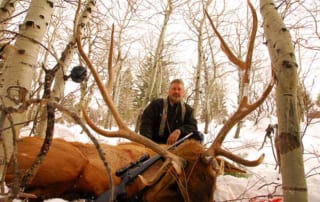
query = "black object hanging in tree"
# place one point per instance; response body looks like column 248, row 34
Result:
column 78, row 74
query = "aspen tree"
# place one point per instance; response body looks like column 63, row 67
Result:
column 7, row 7
column 284, row 64
column 199, row 24
column 18, row 71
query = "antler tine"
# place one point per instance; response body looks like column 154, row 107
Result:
column 253, row 34
column 243, row 110
column 235, row 158
column 224, row 46
column 243, row 65
column 111, row 68
column 123, row 130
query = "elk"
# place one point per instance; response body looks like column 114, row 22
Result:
column 73, row 170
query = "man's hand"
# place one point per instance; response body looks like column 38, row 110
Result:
column 174, row 136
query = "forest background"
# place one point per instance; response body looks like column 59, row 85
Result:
column 155, row 42
column 152, row 46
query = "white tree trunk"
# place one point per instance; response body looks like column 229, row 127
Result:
column 158, row 53
column 19, row 69
column 200, row 61
column 283, row 59
column 7, row 7
column 199, row 68
column 64, row 63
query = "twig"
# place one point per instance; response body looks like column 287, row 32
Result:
column 30, row 173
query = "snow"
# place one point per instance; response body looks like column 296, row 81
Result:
column 262, row 183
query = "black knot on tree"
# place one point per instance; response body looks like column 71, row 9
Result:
column 286, row 64
column 78, row 74
column 29, row 23
column 21, row 51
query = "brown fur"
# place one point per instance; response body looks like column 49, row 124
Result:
column 197, row 183
column 54, row 173
column 72, row 167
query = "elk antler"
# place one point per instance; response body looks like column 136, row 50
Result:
column 244, row 108
column 123, row 131
column 112, row 68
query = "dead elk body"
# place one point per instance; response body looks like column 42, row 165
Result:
column 72, row 170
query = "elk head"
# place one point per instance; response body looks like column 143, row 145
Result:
column 197, row 181
column 194, row 180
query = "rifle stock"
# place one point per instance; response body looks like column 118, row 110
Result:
column 129, row 173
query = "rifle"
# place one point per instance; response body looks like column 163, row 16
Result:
column 130, row 172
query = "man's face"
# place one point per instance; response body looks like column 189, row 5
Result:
column 176, row 92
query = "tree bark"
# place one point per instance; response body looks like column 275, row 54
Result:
column 284, row 64
column 199, row 67
column 7, row 7
column 240, row 97
column 17, row 76
column 200, row 59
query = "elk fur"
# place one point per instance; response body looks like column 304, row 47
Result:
column 72, row 170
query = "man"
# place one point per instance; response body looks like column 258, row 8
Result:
column 166, row 120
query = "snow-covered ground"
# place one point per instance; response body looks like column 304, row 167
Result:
column 262, row 183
